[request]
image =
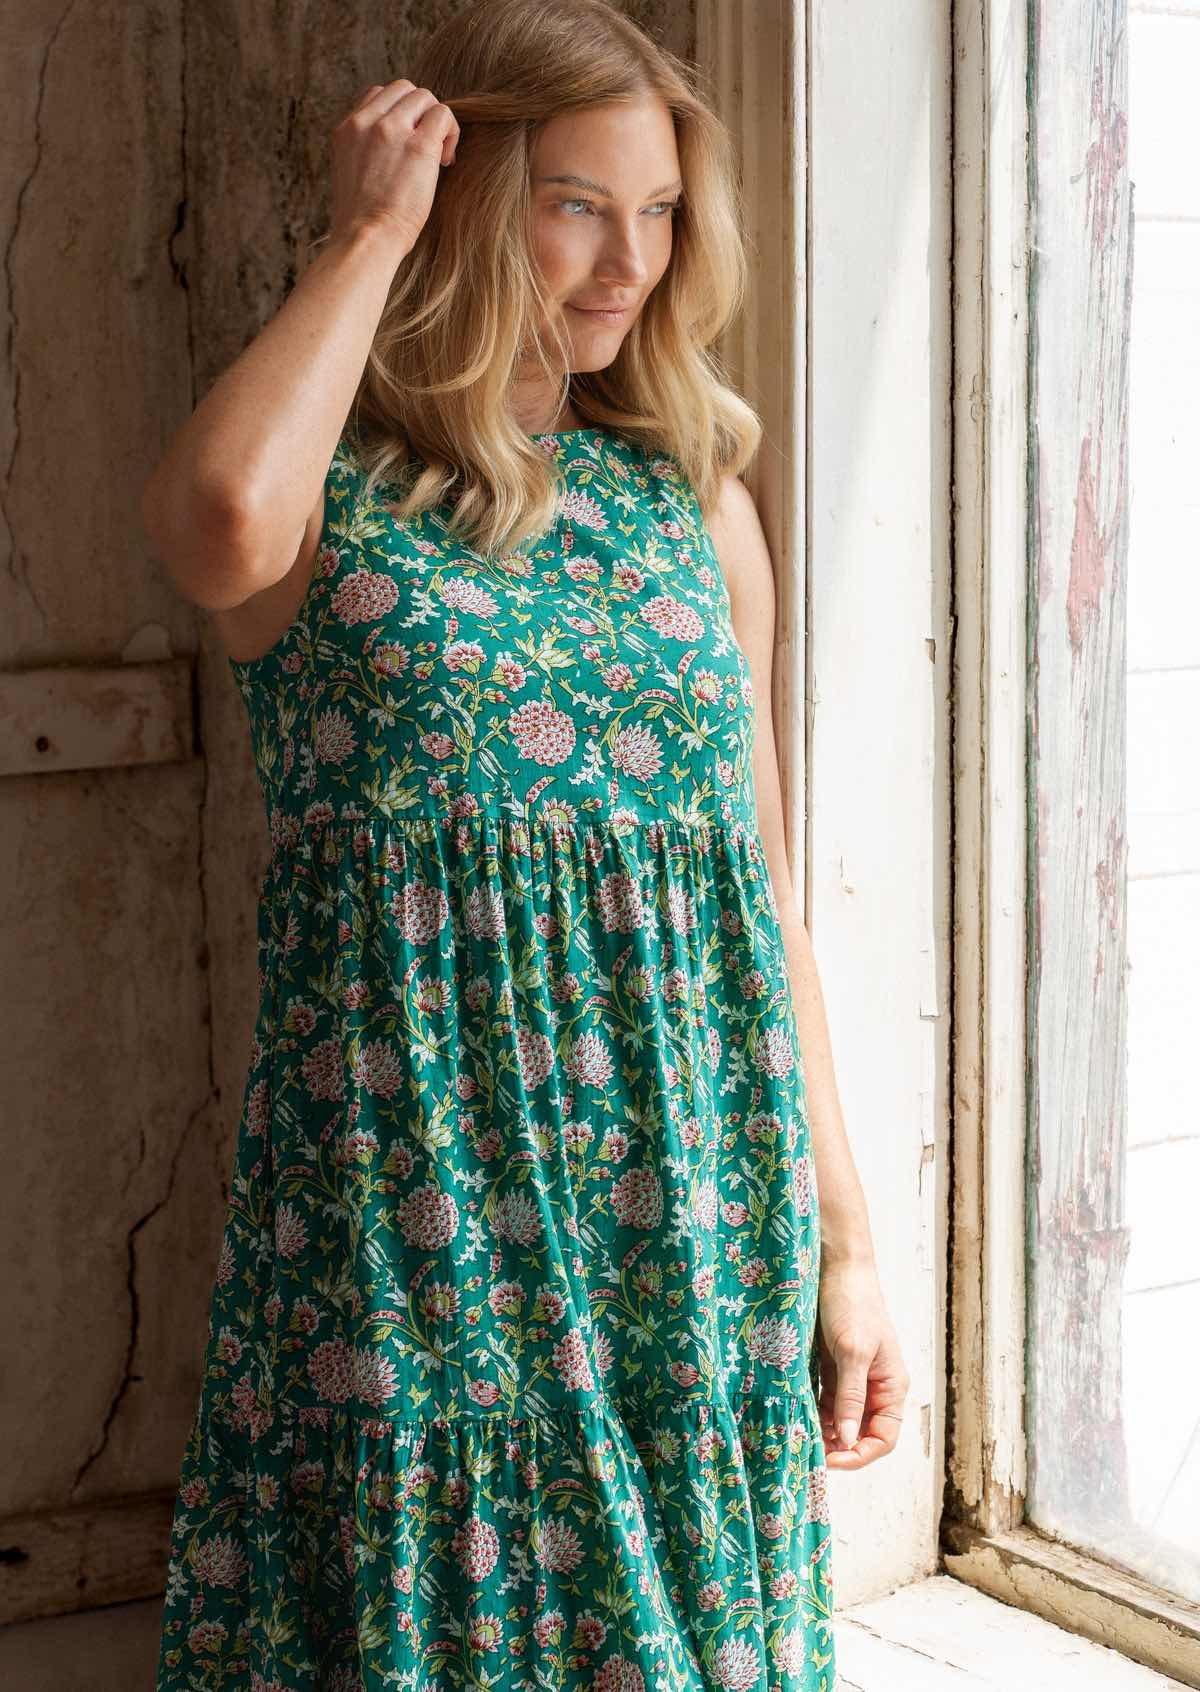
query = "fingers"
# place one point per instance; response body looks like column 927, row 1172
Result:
column 877, row 1438
column 850, row 1396
column 421, row 106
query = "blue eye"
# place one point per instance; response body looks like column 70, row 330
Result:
column 667, row 205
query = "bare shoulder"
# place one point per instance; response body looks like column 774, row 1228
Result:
column 741, row 547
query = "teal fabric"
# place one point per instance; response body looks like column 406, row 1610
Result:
column 510, row 1378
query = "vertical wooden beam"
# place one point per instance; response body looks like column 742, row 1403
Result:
column 986, row 1448
column 753, row 58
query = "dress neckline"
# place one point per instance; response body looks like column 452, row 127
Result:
column 559, row 434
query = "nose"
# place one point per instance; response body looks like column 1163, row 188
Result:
column 621, row 259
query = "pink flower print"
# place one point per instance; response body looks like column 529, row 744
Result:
column 436, row 745
column 331, row 1370
column 550, row 1306
column 735, row 1213
column 619, row 677
column 637, row 751
column 774, row 1341
column 291, row 1234
column 463, row 655
column 207, row 1636
column 816, row 1504
column 584, row 568
column 506, row 1298
column 705, row 686
column 194, row 1492
column 258, row 1108
column 483, row 1393
column 619, row 900
column 671, row 529
column 374, row 1376
column 672, row 619
column 590, row 1061
column 378, row 1069
column 465, row 595
column 544, row 734
column 711, row 1595
column 704, row 1203
column 536, row 1057
column 572, row 1361
column 229, row 1346
column 548, row 1627
column 299, row 1018
column 637, row 1198
column 363, row 596
column 581, row 509
column 737, row 1665
column 791, row 1652
column 684, row 1374
column 555, row 1545
column 681, row 909
column 629, row 579
column 219, row 1561
column 516, row 1220
column 333, row 738
column 389, row 658
column 304, row 1316
column 802, row 1184
column 771, row 1527
column 510, row 673
column 439, row 1301
column 323, row 1072
column 773, row 1051
column 422, row 911
column 428, row 1217
column 619, row 1674
column 483, row 913
column 485, row 1633
column 225, row 1262
column 476, row 1546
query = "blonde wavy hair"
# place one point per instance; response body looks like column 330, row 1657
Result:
column 432, row 412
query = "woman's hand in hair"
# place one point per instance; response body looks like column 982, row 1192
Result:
column 387, row 155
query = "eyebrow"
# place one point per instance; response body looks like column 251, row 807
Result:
column 607, row 193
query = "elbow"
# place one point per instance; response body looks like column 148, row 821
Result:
column 202, row 543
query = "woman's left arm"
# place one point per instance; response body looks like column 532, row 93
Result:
column 864, row 1381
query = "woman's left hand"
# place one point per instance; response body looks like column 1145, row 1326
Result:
column 863, row 1379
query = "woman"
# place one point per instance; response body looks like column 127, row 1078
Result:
column 524, row 1283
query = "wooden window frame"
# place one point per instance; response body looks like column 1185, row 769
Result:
column 752, row 55
column 1005, row 224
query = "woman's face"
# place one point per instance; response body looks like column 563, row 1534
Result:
column 602, row 230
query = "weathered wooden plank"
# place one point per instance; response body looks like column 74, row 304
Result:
column 57, row 1561
column 986, row 1455
column 100, row 717
column 1076, row 1591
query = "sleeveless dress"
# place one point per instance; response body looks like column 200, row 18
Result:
column 510, row 1379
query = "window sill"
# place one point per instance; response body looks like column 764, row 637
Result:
column 943, row 1635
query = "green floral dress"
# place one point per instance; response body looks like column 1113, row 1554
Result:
column 510, row 1379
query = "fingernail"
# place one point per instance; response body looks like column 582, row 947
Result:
column 848, row 1432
